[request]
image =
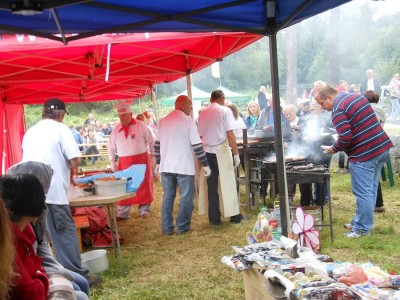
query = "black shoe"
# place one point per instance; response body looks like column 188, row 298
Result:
column 380, row 209
column 183, row 231
column 216, row 223
column 237, row 219
column 168, row 232
column 94, row 280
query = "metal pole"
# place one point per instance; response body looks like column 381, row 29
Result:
column 153, row 100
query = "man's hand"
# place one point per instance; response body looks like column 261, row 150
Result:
column 206, row 171
column 113, row 165
column 236, row 160
column 157, row 170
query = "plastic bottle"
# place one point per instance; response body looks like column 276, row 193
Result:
column 277, row 212
column 262, row 220
column 273, row 220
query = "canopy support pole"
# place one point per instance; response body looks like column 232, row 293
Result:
column 153, row 100
column 58, row 24
column 189, row 88
column 280, row 163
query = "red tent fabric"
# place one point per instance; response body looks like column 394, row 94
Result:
column 12, row 127
column 106, row 67
column 33, row 69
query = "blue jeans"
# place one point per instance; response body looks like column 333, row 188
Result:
column 395, row 109
column 186, row 185
column 364, row 180
column 80, row 283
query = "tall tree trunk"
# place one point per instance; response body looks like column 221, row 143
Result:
column 334, row 46
column 291, row 65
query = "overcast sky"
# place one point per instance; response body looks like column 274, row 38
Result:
column 384, row 8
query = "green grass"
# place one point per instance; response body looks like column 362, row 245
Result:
column 188, row 266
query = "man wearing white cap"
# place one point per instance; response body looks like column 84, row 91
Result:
column 130, row 140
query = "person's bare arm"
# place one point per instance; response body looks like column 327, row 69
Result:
column 75, row 162
column 232, row 142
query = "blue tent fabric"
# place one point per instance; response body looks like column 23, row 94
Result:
column 136, row 172
column 107, row 16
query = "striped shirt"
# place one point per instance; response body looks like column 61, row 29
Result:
column 360, row 134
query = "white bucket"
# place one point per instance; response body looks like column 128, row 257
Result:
column 110, row 188
column 95, row 261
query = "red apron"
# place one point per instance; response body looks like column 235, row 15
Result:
column 144, row 194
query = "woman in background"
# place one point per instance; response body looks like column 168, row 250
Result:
column 253, row 112
column 6, row 254
column 238, row 121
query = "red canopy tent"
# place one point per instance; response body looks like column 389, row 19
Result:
column 106, row 67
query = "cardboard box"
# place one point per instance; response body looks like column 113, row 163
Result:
column 254, row 288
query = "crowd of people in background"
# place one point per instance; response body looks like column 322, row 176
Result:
column 94, row 134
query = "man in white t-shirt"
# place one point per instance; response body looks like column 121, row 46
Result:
column 52, row 142
column 216, row 125
column 177, row 139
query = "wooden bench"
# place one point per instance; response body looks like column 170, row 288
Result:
column 81, row 222
column 102, row 147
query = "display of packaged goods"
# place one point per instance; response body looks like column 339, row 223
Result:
column 304, row 275
column 236, row 262
column 332, row 291
column 259, row 247
column 370, row 291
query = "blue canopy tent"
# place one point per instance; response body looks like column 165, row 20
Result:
column 53, row 19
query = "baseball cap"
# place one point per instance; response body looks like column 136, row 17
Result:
column 56, row 104
column 123, row 108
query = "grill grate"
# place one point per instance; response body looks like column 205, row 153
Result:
column 312, row 170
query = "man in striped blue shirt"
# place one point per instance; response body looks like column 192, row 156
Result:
column 362, row 138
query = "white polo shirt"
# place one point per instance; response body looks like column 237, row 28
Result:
column 140, row 138
column 53, row 143
column 214, row 122
column 177, row 133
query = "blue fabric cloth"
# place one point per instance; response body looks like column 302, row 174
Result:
column 247, row 15
column 364, row 181
column 136, row 172
column 186, row 185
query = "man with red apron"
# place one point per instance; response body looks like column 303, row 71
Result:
column 132, row 140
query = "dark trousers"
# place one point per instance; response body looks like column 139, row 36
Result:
column 306, row 194
column 214, row 213
column 379, row 198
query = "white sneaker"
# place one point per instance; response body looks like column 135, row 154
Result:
column 352, row 234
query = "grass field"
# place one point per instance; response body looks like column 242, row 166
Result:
column 188, row 266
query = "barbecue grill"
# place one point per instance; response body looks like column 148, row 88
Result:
column 297, row 172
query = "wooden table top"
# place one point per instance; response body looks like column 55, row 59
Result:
column 94, row 200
